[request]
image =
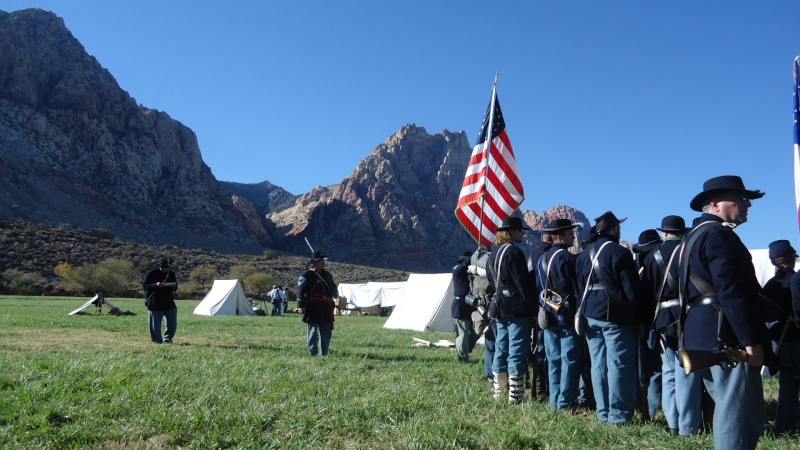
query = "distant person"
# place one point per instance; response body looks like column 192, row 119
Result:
column 159, row 287
column 285, row 300
column 276, row 298
column 315, row 293
column 460, row 310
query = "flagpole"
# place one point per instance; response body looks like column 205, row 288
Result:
column 487, row 147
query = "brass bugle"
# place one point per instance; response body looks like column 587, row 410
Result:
column 697, row 360
column 558, row 308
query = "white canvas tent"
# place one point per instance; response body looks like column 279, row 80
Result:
column 424, row 304
column 226, row 297
column 368, row 295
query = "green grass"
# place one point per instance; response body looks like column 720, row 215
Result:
column 248, row 382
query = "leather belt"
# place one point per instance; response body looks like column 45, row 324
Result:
column 702, row 301
column 668, row 304
column 602, row 287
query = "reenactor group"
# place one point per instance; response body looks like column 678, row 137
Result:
column 681, row 322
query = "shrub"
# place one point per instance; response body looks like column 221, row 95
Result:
column 241, row 271
column 203, row 274
column 23, row 283
column 259, row 283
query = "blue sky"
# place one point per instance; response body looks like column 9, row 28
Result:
column 626, row 106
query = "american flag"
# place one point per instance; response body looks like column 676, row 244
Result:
column 492, row 190
column 797, row 136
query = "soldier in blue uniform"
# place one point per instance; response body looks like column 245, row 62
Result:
column 649, row 396
column 540, row 385
column 460, row 310
column 513, row 310
column 315, row 293
column 612, row 289
column 721, row 300
column 785, row 333
column 556, row 273
column 681, row 393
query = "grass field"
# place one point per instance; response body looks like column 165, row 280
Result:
column 248, row 382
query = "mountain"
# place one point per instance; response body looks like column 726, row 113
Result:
column 77, row 150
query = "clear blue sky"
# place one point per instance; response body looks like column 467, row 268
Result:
column 626, row 106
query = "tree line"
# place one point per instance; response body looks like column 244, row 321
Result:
column 116, row 277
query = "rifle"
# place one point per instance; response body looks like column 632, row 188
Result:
column 641, row 404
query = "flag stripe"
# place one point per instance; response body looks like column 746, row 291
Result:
column 492, row 189
column 796, row 127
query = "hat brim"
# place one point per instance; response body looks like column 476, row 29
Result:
column 511, row 228
column 619, row 221
column 646, row 247
column 704, row 197
column 673, row 230
column 560, row 229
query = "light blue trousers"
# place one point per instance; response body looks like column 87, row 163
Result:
column 512, row 346
column 613, row 351
column 740, row 411
column 681, row 395
column 564, row 350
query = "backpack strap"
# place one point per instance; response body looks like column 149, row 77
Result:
column 594, row 257
column 685, row 273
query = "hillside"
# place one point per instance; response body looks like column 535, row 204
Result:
column 38, row 248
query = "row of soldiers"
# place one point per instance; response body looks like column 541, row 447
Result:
column 693, row 296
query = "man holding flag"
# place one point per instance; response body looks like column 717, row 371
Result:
column 491, row 193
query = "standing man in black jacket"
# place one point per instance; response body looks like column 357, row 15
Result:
column 315, row 293
column 681, row 393
column 159, row 287
column 610, row 304
column 721, row 303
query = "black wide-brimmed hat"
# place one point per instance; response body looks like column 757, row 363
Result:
column 648, row 240
column 318, row 256
column 558, row 225
column 466, row 254
column 606, row 221
column 781, row 248
column 673, row 224
column 730, row 184
column 512, row 223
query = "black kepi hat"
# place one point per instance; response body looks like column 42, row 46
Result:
column 512, row 223
column 558, row 225
column 672, row 224
column 466, row 254
column 719, row 185
column 648, row 240
column 606, row 221
column 165, row 262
